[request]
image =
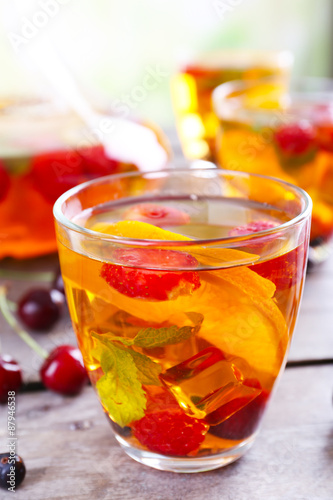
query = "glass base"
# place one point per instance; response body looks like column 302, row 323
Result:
column 186, row 465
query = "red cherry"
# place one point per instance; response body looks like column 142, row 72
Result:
column 63, row 371
column 58, row 282
column 39, row 309
column 152, row 285
column 245, row 421
column 4, row 182
column 10, row 377
column 157, row 215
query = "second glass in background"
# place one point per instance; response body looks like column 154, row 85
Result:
column 192, row 87
column 270, row 129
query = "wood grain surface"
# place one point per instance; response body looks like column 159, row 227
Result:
column 70, row 452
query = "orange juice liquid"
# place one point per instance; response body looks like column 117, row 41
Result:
column 300, row 153
column 184, row 359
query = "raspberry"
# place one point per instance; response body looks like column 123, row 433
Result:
column 255, row 227
column 157, row 215
column 295, row 143
column 56, row 172
column 96, row 163
column 252, row 227
column 284, row 271
column 152, row 285
column 245, row 421
column 167, row 429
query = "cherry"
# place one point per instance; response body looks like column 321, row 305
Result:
column 58, row 282
column 63, row 370
column 39, row 309
column 10, row 377
column 4, row 182
column 244, row 422
column 7, row 475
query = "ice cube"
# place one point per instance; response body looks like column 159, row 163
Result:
column 210, row 385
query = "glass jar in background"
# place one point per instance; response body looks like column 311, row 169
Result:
column 45, row 149
column 270, row 129
column 192, row 86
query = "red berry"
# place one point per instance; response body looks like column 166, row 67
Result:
column 56, row 172
column 39, row 309
column 58, row 283
column 252, row 227
column 152, row 285
column 4, row 182
column 96, row 163
column 255, row 227
column 322, row 115
column 167, row 429
column 244, row 422
column 10, row 377
column 284, row 271
column 63, row 371
column 295, row 143
column 157, row 215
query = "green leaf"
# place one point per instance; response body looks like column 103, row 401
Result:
column 120, row 388
column 148, row 370
column 159, row 337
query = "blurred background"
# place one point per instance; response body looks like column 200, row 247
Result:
column 112, row 46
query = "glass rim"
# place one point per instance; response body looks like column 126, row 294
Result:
column 66, row 222
column 232, row 58
column 297, row 93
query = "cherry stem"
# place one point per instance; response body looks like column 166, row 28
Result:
column 12, row 321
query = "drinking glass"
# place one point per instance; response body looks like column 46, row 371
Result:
column 192, row 86
column 183, row 288
column 287, row 132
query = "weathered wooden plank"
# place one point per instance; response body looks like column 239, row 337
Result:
column 291, row 460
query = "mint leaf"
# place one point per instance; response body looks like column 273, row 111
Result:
column 148, row 370
column 120, row 388
column 159, row 337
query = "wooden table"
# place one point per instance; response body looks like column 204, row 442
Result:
column 70, row 452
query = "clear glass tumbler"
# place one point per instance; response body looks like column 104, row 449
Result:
column 184, row 288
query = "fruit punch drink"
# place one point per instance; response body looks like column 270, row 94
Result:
column 44, row 151
column 183, row 288
column 267, row 129
column 192, row 87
